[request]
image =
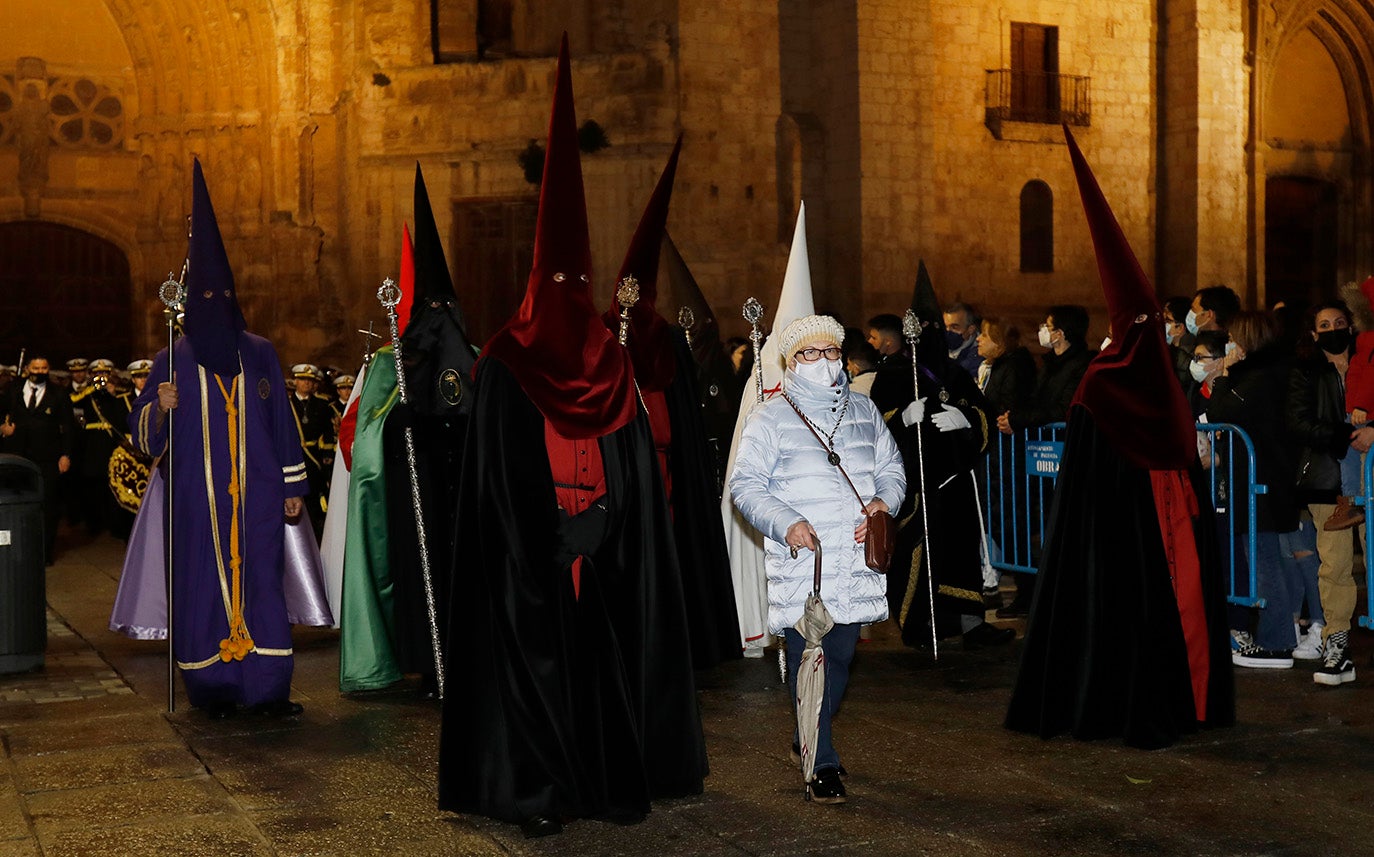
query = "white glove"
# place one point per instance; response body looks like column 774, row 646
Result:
column 914, row 413
column 949, row 419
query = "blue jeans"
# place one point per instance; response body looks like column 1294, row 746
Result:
column 838, row 646
column 1351, row 473
column 1304, row 540
column 1279, row 579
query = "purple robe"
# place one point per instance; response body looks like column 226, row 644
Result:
column 271, row 469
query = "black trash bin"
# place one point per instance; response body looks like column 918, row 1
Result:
column 23, row 595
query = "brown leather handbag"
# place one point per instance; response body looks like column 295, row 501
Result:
column 881, row 541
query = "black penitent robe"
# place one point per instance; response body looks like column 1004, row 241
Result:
column 563, row 705
column 1104, row 653
column 707, row 587
column 947, row 486
column 438, row 363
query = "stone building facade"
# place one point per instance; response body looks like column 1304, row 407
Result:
column 1232, row 139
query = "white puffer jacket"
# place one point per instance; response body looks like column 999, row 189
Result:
column 781, row 476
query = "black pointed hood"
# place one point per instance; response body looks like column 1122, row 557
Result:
column 931, row 347
column 438, row 354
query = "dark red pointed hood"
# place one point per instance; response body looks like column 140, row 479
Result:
column 213, row 318
column 650, row 348
column 1130, row 388
column 557, row 345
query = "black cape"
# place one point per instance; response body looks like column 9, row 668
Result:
column 699, row 531
column 947, row 487
column 563, row 706
column 438, row 365
column 1104, row 653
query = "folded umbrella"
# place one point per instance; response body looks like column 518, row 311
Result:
column 814, row 624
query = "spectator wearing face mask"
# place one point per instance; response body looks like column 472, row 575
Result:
column 1179, row 339
column 1063, row 333
column 1209, row 351
column 1212, row 309
column 1317, row 417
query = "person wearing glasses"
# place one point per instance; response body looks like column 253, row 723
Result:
column 788, row 483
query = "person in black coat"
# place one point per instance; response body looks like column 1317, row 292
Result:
column 36, row 423
column 1252, row 392
column 1316, row 418
column 1063, row 367
column 1007, row 378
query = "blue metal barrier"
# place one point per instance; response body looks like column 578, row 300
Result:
column 1367, row 499
column 1018, row 476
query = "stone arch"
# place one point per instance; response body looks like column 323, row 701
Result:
column 1345, row 29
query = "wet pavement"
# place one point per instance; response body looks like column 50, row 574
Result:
column 93, row 764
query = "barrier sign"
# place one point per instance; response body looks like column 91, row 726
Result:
column 1042, row 457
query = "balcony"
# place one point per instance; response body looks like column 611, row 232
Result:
column 1015, row 100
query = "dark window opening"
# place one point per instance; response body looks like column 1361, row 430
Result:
column 494, row 239
column 1037, row 228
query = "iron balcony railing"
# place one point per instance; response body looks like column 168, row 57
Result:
column 1032, row 96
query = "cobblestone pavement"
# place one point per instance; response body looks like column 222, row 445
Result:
column 93, row 765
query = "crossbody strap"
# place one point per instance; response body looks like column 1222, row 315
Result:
column 821, row 441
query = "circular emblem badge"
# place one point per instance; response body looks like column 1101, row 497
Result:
column 451, row 386
column 264, row 388
column 713, row 390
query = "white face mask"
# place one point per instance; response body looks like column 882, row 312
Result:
column 1105, row 342
column 1044, row 337
column 1198, row 371
column 825, row 372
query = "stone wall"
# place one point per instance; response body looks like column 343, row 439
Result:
column 310, row 117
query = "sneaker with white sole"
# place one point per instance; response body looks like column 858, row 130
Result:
column 1310, row 647
column 1241, row 640
column 1264, row 659
column 1336, row 668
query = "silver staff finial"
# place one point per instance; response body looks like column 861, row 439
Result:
column 627, row 295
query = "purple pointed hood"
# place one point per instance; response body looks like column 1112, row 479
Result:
column 213, row 318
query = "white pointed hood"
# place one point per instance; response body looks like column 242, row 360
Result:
column 743, row 541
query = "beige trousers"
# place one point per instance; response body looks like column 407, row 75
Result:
column 1336, row 577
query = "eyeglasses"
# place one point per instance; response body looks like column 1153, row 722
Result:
column 811, row 355
column 1208, row 356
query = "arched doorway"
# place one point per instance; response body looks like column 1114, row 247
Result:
column 63, row 292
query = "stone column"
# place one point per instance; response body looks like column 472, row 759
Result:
column 1203, row 189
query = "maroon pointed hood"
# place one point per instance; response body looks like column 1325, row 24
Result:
column 556, row 344
column 1130, row 388
column 649, row 344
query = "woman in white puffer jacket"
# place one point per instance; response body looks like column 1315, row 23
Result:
column 786, row 486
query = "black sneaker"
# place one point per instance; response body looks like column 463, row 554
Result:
column 1336, row 668
column 826, row 787
column 1264, row 659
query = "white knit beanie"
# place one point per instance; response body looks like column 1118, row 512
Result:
column 808, row 329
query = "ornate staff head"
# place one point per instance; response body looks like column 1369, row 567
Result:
column 627, row 295
column 685, row 319
column 389, row 295
column 753, row 313
column 911, row 327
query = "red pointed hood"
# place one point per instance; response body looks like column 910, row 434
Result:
column 651, row 350
column 407, row 279
column 556, row 345
column 1130, row 388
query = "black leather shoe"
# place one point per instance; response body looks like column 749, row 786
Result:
column 794, row 753
column 278, row 708
column 540, row 825
column 429, row 687
column 1015, row 610
column 983, row 635
column 221, row 710
column 826, row 787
